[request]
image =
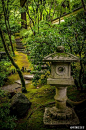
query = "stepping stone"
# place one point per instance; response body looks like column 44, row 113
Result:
column 12, row 88
column 37, row 72
column 28, row 77
column 19, row 82
column 28, row 70
column 19, row 47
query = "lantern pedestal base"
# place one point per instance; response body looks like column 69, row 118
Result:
column 54, row 116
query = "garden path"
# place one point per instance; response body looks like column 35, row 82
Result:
column 19, row 45
column 21, row 60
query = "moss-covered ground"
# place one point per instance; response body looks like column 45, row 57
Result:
column 21, row 60
column 40, row 97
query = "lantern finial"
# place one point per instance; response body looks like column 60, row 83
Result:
column 60, row 49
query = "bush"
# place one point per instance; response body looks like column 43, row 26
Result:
column 6, row 121
column 71, row 34
column 74, row 39
column 41, row 45
column 4, row 71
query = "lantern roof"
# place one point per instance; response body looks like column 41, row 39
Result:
column 60, row 56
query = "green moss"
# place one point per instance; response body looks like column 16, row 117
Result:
column 39, row 96
column 40, row 99
column 60, row 54
column 21, row 60
column 12, row 79
column 36, row 122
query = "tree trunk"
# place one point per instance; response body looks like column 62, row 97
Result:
column 49, row 19
column 83, row 4
column 9, row 34
column 38, row 16
column 54, row 8
column 41, row 11
column 23, row 20
column 23, row 15
column 6, row 16
column 13, row 63
column 31, row 20
column 38, row 23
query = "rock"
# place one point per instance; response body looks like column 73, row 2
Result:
column 19, row 105
column 37, row 72
column 28, row 77
column 19, row 82
column 12, row 88
column 28, row 70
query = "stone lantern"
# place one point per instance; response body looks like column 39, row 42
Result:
column 60, row 77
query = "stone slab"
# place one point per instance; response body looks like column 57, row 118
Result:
column 2, row 53
column 28, row 70
column 65, row 81
column 28, row 77
column 19, row 82
column 49, row 121
column 37, row 72
column 12, row 88
column 61, row 57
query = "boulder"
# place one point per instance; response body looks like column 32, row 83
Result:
column 19, row 105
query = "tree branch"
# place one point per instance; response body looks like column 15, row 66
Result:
column 13, row 63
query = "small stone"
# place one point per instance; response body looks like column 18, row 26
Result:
column 28, row 70
column 19, row 82
column 12, row 88
column 28, row 77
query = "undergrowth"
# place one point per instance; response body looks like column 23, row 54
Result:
column 42, row 97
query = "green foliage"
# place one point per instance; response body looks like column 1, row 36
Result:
column 47, row 10
column 70, row 34
column 6, row 121
column 12, row 16
column 75, row 4
column 36, row 78
column 7, row 42
column 41, row 45
column 4, row 71
column 74, row 39
column 26, row 34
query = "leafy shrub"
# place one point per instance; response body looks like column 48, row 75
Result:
column 15, row 27
column 75, row 4
column 71, row 34
column 4, row 71
column 74, row 39
column 7, row 42
column 41, row 45
column 6, row 121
